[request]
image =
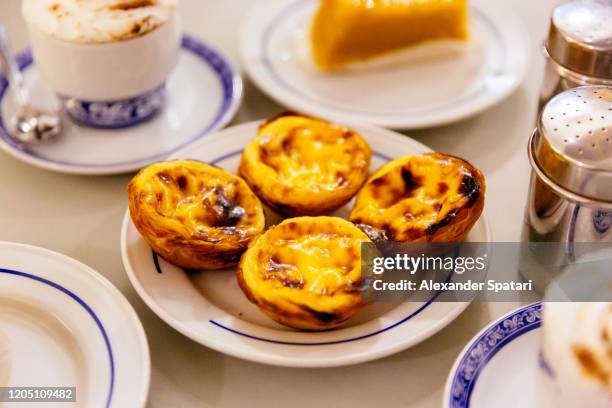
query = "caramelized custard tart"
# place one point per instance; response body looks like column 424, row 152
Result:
column 193, row 214
column 305, row 166
column 305, row 272
column 429, row 198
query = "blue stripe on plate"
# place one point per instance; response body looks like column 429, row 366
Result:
column 486, row 346
column 87, row 309
column 229, row 80
column 297, row 6
column 321, row 343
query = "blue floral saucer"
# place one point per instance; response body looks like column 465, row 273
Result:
column 201, row 95
column 499, row 367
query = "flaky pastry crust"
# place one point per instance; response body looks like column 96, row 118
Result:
column 305, row 272
column 433, row 197
column 193, row 214
column 304, row 166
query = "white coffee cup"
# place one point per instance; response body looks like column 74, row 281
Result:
column 576, row 334
column 109, row 84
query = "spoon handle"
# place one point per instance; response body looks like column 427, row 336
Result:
column 13, row 74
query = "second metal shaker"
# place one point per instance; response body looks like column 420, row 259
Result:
column 570, row 195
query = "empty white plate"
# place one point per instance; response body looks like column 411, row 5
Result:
column 499, row 367
column 430, row 85
column 63, row 325
column 210, row 308
column 202, row 95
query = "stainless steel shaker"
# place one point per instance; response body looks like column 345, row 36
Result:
column 579, row 47
column 570, row 194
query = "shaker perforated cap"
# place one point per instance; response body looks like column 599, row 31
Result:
column 580, row 37
column 573, row 143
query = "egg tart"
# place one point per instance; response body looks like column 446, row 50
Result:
column 305, row 272
column 193, row 214
column 429, row 198
column 305, row 166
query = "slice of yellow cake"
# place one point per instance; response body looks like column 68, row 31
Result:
column 345, row 31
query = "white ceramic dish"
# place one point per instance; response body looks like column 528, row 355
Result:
column 202, row 95
column 415, row 90
column 210, row 308
column 499, row 367
column 66, row 325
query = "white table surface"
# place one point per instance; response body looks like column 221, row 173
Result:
column 81, row 216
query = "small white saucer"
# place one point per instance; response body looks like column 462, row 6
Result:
column 202, row 95
column 499, row 367
column 63, row 325
column 417, row 89
column 210, row 308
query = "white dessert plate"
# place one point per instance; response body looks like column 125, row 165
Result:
column 202, row 95
column 64, row 325
column 499, row 367
column 210, row 308
column 430, row 85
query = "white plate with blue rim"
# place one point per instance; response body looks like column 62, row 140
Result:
column 499, row 367
column 64, row 325
column 202, row 95
column 210, row 308
column 429, row 85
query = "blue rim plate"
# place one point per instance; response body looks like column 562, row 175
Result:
column 210, row 308
column 407, row 90
column 480, row 351
column 203, row 94
column 92, row 314
column 52, row 303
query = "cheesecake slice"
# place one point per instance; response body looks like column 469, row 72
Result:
column 346, row 31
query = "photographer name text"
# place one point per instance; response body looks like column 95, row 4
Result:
column 468, row 286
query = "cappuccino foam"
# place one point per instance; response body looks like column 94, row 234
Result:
column 577, row 345
column 97, row 21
